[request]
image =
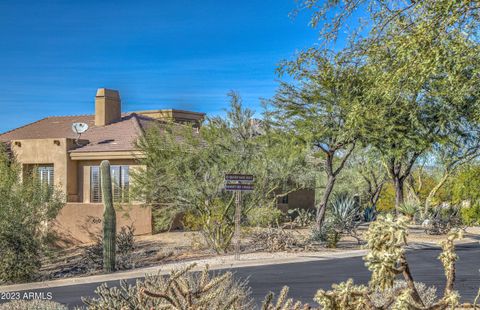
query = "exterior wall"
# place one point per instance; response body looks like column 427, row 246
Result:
column 50, row 151
column 302, row 199
column 82, row 222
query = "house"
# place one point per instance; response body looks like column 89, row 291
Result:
column 70, row 162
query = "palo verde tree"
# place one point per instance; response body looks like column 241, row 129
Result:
column 422, row 59
column 319, row 107
column 185, row 168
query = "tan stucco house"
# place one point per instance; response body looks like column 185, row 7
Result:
column 71, row 162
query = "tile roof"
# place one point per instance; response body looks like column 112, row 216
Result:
column 118, row 136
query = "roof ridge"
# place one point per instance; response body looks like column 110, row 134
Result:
column 70, row 115
column 14, row 129
column 136, row 123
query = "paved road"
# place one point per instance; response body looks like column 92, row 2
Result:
column 305, row 278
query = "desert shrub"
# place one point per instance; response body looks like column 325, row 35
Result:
column 327, row 234
column 301, row 217
column 471, row 215
column 32, row 305
column 125, row 246
column 273, row 240
column 19, row 255
column 216, row 224
column 26, row 209
column 93, row 255
column 428, row 294
column 442, row 219
column 264, row 216
column 181, row 289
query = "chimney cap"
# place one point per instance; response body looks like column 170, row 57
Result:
column 105, row 92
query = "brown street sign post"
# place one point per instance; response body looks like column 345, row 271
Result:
column 238, row 183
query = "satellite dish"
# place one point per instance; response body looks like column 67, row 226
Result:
column 79, row 128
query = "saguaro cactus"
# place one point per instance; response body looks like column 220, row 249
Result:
column 109, row 218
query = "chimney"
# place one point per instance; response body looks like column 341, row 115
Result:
column 107, row 107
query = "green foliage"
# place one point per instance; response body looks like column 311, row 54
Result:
column 466, row 184
column 264, row 216
column 181, row 289
column 409, row 209
column 20, row 251
column 26, row 209
column 163, row 216
column 420, row 65
column 215, row 224
column 471, row 215
column 185, row 168
column 109, row 218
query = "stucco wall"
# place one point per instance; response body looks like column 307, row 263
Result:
column 50, row 151
column 81, row 222
column 302, row 199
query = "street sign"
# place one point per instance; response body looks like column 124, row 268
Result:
column 239, row 177
column 238, row 183
column 238, row 187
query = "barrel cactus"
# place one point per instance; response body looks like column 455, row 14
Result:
column 109, row 218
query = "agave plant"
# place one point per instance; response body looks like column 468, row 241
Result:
column 370, row 214
column 345, row 215
column 409, row 209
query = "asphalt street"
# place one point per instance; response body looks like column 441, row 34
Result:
column 305, row 278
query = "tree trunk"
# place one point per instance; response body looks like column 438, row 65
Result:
column 433, row 192
column 399, row 198
column 324, row 201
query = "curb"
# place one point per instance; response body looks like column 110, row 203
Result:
column 226, row 262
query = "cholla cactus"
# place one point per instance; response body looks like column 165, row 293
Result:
column 386, row 259
column 283, row 303
column 345, row 295
column 386, row 238
column 180, row 290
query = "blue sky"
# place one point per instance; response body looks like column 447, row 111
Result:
column 158, row 54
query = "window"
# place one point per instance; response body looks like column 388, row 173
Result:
column 120, row 183
column 43, row 173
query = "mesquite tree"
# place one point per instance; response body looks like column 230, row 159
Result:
column 109, row 218
column 320, row 107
